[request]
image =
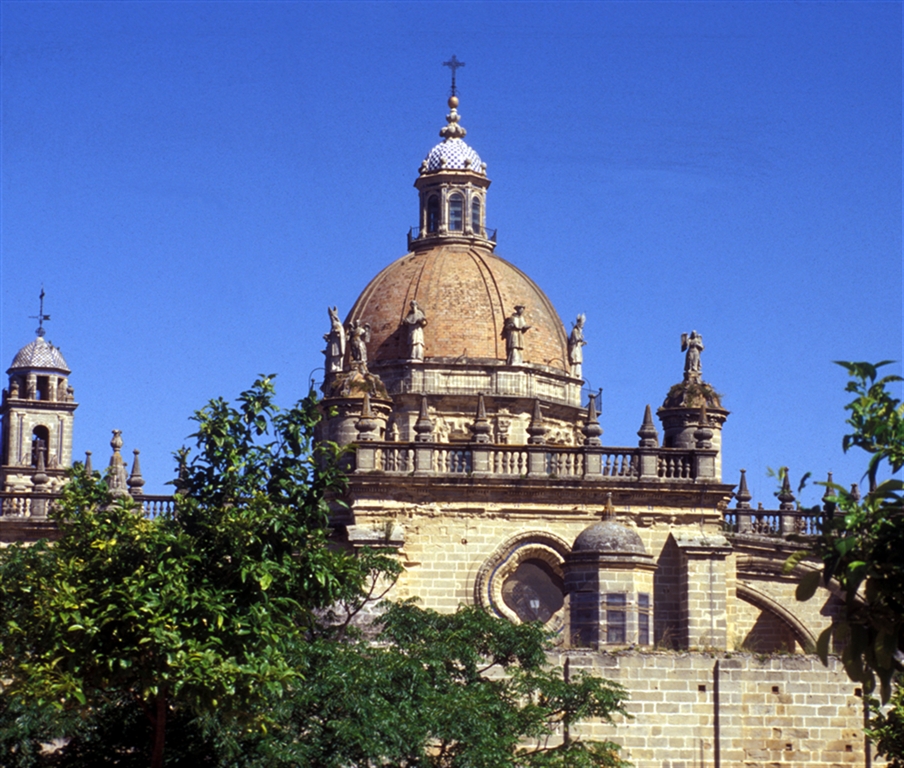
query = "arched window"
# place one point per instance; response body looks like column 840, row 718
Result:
column 432, row 213
column 456, row 213
column 475, row 216
column 40, row 437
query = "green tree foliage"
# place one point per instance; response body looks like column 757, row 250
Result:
column 886, row 727
column 231, row 631
column 447, row 691
column 200, row 610
column 862, row 542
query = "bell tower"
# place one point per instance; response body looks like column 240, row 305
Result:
column 36, row 417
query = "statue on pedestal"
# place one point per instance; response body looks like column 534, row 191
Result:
column 575, row 346
column 415, row 320
column 693, row 346
column 335, row 343
column 359, row 335
column 513, row 333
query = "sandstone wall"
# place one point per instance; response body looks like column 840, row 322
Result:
column 773, row 711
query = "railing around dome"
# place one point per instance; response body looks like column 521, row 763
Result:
column 671, row 465
column 416, row 233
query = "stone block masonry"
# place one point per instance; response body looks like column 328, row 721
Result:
column 770, row 711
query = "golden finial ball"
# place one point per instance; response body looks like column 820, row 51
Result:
column 453, row 102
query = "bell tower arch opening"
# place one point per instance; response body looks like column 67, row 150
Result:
column 40, row 441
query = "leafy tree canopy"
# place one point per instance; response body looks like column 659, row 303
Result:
column 863, row 538
column 230, row 631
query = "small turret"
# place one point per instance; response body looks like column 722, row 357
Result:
column 692, row 414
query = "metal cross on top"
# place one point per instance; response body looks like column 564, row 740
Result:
column 40, row 317
column 453, row 64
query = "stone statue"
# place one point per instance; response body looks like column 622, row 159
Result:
column 513, row 333
column 415, row 320
column 575, row 346
column 31, row 388
column 359, row 335
column 14, row 388
column 693, row 345
column 335, row 343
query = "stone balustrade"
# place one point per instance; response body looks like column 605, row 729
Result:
column 38, row 506
column 586, row 463
column 618, row 464
column 772, row 522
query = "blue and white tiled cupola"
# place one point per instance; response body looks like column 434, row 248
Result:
column 453, row 183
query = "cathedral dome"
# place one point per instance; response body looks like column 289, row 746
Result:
column 39, row 354
column 609, row 538
column 452, row 155
column 466, row 293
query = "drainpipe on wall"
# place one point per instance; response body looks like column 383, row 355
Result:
column 717, row 747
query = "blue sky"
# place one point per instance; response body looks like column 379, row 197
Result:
column 193, row 184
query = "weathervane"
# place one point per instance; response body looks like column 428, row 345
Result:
column 453, row 64
column 40, row 317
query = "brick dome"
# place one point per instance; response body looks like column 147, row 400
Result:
column 466, row 294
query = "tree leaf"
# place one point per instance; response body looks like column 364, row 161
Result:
column 806, row 588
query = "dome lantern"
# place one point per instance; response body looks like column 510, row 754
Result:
column 452, row 182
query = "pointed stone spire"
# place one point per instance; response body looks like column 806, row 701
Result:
column 89, row 469
column 785, row 496
column 537, row 429
column 649, row 437
column 828, row 506
column 481, row 428
column 592, row 429
column 608, row 510
column 366, row 424
column 855, row 492
column 743, row 495
column 423, row 427
column 181, row 481
column 136, row 481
